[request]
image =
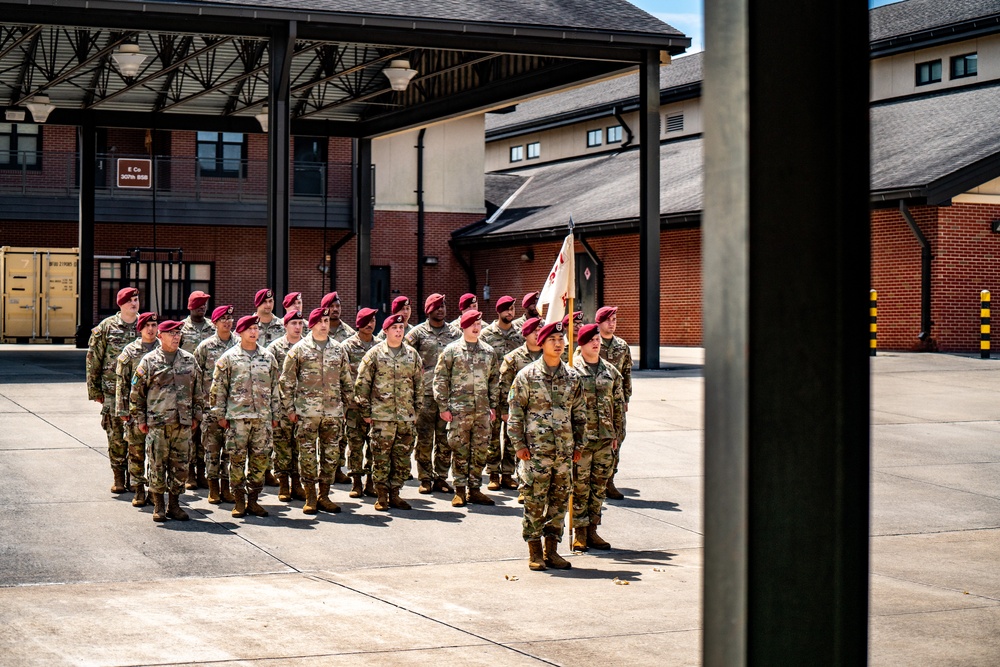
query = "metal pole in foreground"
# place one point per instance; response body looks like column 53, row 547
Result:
column 873, row 324
column 984, row 324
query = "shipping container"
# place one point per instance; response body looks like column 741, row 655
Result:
column 39, row 294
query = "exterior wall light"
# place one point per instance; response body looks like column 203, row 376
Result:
column 128, row 59
column 40, row 108
column 262, row 117
column 399, row 74
column 430, row 260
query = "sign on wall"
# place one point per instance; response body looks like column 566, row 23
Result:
column 135, row 173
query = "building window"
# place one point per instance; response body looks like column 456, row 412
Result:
column 614, row 134
column 516, row 153
column 675, row 123
column 163, row 286
column 20, row 146
column 963, row 66
column 928, row 72
column 534, row 150
column 222, row 154
column 594, row 138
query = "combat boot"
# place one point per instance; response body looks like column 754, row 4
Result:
column 370, row 486
column 298, row 493
column 310, row 505
column 520, row 496
column 339, row 477
column 382, row 504
column 580, row 538
column 202, row 480
column 225, row 493
column 240, row 508
column 159, row 510
column 323, row 500
column 174, row 510
column 536, row 561
column 357, row 490
column 397, row 503
column 459, row 499
column 253, row 506
column 552, row 557
column 594, row 540
column 119, row 484
column 494, row 484
column 507, row 482
column 477, row 497
column 213, row 492
column 612, row 491
column 284, row 489
column 192, row 481
column 269, row 479
column 426, row 486
column 442, row 486
column 140, row 495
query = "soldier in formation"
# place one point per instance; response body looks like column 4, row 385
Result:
column 166, row 405
column 339, row 330
column 269, row 324
column 356, row 430
column 466, row 302
column 616, row 352
column 529, row 309
column 212, row 435
column 465, row 388
column 107, row 340
column 433, row 454
column 389, row 393
column 286, row 451
column 195, row 329
column 127, row 361
column 547, row 421
column 400, row 306
column 511, row 365
column 504, row 338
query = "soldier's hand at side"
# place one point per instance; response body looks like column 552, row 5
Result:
column 446, row 415
column 493, row 415
column 523, row 454
column 368, row 420
column 224, row 423
column 194, row 424
column 614, row 445
column 127, row 418
column 505, row 416
column 99, row 399
column 144, row 428
column 576, row 455
column 274, row 423
column 626, row 407
column 292, row 417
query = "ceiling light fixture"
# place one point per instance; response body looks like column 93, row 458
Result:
column 128, row 59
column 40, row 107
column 399, row 74
column 262, row 117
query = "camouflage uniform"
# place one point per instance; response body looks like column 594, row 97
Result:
column 381, row 334
column 431, row 429
column 245, row 393
column 500, row 459
column 389, row 391
column 107, row 340
column 286, row 454
column 192, row 334
column 341, row 332
column 602, row 393
column 617, row 353
column 270, row 332
column 356, row 430
column 212, row 437
column 465, row 384
column 315, row 385
column 509, row 368
column 124, row 369
column 166, row 397
column 548, row 416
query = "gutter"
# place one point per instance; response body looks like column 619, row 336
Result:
column 936, row 36
column 420, row 214
column 925, row 275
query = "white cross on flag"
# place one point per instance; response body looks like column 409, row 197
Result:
column 559, row 284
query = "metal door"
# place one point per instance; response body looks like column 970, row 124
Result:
column 380, row 295
column 588, row 285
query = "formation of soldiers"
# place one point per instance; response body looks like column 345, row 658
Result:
column 218, row 403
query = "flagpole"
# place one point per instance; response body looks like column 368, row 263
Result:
column 571, row 291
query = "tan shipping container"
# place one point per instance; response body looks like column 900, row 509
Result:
column 39, row 293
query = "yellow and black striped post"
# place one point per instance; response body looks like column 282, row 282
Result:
column 873, row 326
column 984, row 324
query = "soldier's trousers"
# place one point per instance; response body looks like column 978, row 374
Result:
column 319, row 447
column 432, row 452
column 618, row 452
column 197, row 446
column 358, row 445
column 286, row 451
column 500, row 456
column 213, row 438
column 168, row 450
column 114, row 427
column 248, row 443
column 590, row 486
column 391, row 447
column 546, row 493
column 469, row 439
column 136, row 440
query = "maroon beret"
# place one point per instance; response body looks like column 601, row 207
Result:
column 530, row 325
column 246, row 322
column 466, row 300
column 198, row 299
column 577, row 316
column 530, row 299
column 399, row 303
column 504, row 302
column 364, row 316
column 328, row 299
column 548, row 330
column 317, row 314
column 220, row 312
column 291, row 315
column 145, row 319
column 290, row 299
column 169, row 325
column 432, row 302
column 587, row 333
column 470, row 317
column 125, row 295
column 604, row 313
column 391, row 320
column 261, row 296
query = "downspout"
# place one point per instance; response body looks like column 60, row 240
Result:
column 925, row 274
column 420, row 215
column 628, row 130
column 332, row 264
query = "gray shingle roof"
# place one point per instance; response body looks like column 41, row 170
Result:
column 910, row 16
column 610, row 15
column 680, row 72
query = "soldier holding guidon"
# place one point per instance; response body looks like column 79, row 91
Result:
column 511, row 365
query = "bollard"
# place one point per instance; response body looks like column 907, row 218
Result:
column 873, row 326
column 984, row 324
